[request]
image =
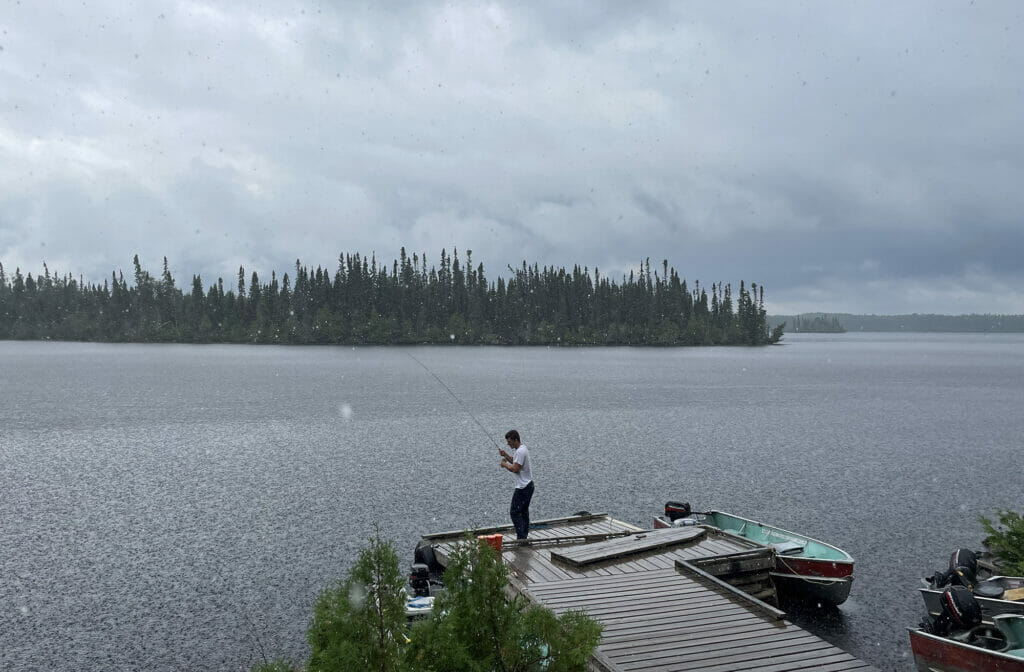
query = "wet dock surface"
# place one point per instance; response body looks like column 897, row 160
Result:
column 675, row 599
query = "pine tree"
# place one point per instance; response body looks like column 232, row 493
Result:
column 360, row 623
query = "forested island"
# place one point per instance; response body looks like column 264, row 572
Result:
column 405, row 302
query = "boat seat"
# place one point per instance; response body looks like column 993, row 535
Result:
column 991, row 588
column 1012, row 626
column 787, row 548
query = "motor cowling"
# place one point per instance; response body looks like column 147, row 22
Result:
column 960, row 611
column 963, row 571
column 963, row 564
column 424, row 554
column 419, row 580
column 674, row 510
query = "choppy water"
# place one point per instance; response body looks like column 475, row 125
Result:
column 179, row 507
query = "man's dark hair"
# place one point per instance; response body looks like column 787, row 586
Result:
column 512, row 434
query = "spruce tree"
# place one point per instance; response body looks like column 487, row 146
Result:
column 360, row 623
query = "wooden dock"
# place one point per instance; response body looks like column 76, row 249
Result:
column 687, row 598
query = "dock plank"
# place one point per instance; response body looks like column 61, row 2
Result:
column 579, row 556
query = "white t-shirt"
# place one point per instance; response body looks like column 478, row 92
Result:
column 522, row 456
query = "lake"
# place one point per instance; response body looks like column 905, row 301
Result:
column 167, row 507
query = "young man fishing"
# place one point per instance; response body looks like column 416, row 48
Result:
column 519, row 464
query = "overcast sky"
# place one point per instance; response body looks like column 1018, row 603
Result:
column 863, row 157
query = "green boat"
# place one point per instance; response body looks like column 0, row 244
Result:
column 805, row 568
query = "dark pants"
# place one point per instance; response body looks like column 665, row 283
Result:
column 520, row 510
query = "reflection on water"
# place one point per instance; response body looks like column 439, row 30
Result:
column 825, row 620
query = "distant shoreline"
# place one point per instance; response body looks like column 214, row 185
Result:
column 913, row 323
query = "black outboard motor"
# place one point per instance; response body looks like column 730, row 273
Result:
column 960, row 611
column 424, row 555
column 676, row 510
column 426, row 576
column 963, row 565
column 963, row 571
column 419, row 580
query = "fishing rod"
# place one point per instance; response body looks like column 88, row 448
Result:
column 456, row 397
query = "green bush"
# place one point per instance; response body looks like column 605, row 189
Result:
column 360, row 623
column 1006, row 539
column 477, row 625
column 479, row 628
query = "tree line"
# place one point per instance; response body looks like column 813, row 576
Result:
column 974, row 323
column 366, row 302
column 817, row 323
column 913, row 323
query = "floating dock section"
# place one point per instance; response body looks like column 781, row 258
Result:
column 688, row 598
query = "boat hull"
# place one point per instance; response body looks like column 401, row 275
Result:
column 661, row 523
column 939, row 654
column 812, row 588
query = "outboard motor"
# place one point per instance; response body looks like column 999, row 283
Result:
column 960, row 611
column 963, row 567
column 674, row 510
column 963, row 571
column 419, row 580
column 424, row 554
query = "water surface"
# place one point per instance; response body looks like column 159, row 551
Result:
column 167, row 507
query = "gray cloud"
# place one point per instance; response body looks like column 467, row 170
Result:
column 854, row 157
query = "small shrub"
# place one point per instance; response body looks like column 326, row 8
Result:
column 360, row 623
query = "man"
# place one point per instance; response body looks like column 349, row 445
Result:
column 519, row 464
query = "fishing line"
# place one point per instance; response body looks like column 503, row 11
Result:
column 456, row 397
